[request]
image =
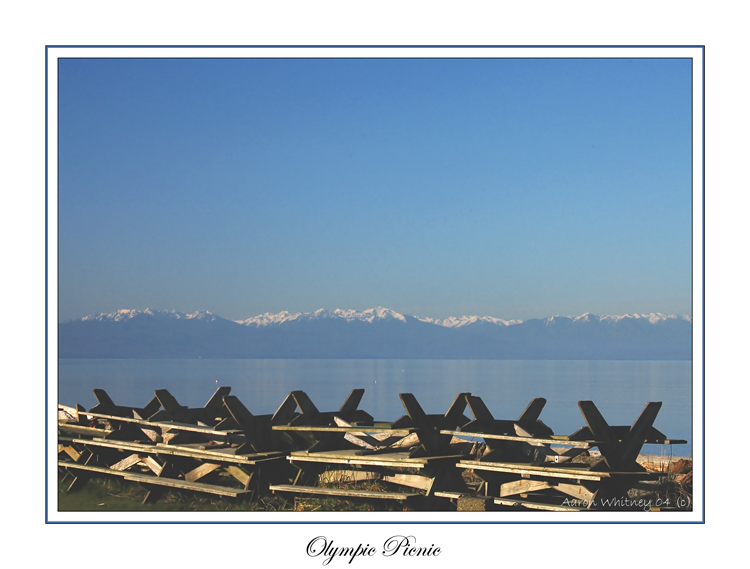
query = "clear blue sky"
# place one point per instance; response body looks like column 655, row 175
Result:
column 516, row 188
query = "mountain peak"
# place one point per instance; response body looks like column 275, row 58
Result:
column 128, row 314
column 350, row 315
column 374, row 333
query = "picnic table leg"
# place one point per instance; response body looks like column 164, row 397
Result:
column 619, row 455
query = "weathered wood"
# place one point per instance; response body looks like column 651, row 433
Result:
column 578, row 491
column 346, row 476
column 83, row 430
column 342, row 429
column 412, row 480
column 90, row 468
column 358, row 438
column 561, row 441
column 240, row 474
column 154, row 465
column 620, row 446
column 184, row 485
column 518, row 468
column 375, row 460
column 224, row 455
column 106, row 405
column 166, row 425
column 521, row 486
column 71, row 452
column 126, row 462
column 220, row 443
column 515, row 503
column 201, row 471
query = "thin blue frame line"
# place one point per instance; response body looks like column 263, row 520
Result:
column 703, row 173
column 379, row 46
column 46, row 284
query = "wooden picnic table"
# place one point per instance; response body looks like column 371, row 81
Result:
column 520, row 462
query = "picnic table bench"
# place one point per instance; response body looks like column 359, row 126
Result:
column 410, row 452
column 527, row 459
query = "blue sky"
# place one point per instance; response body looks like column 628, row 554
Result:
column 516, row 188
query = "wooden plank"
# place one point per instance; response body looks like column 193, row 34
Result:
column 183, row 485
column 359, row 438
column 345, row 476
column 240, row 474
column 560, row 441
column 357, row 461
column 532, row 412
column 600, row 429
column 552, row 471
column 450, row 495
column 65, row 413
column 155, row 466
column 83, row 430
column 630, row 447
column 70, row 451
column 352, row 402
column 454, row 416
column 457, row 495
column 304, row 403
column 177, row 450
column 90, row 468
column 414, row 410
column 350, row 429
column 201, row 471
column 166, row 425
column 286, row 411
column 512, row 502
column 514, row 468
column 354, row 439
column 349, row 493
column 411, row 480
column 126, row 462
column 216, row 401
column 577, row 491
column 410, row 440
column 521, row 486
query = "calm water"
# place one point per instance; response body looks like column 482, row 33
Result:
column 620, row 389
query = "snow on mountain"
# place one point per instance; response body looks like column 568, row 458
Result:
column 128, row 314
column 266, row 319
column 653, row 317
column 453, row 322
column 369, row 315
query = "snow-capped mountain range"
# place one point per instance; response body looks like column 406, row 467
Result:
column 369, row 315
column 374, row 333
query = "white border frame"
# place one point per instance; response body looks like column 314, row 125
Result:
column 696, row 53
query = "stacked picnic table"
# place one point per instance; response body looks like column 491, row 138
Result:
column 420, row 460
column 220, row 448
column 527, row 466
column 350, row 456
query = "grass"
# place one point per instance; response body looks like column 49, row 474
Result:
column 107, row 494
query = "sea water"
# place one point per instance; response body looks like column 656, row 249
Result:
column 620, row 389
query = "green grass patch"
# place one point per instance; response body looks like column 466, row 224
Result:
column 109, row 494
